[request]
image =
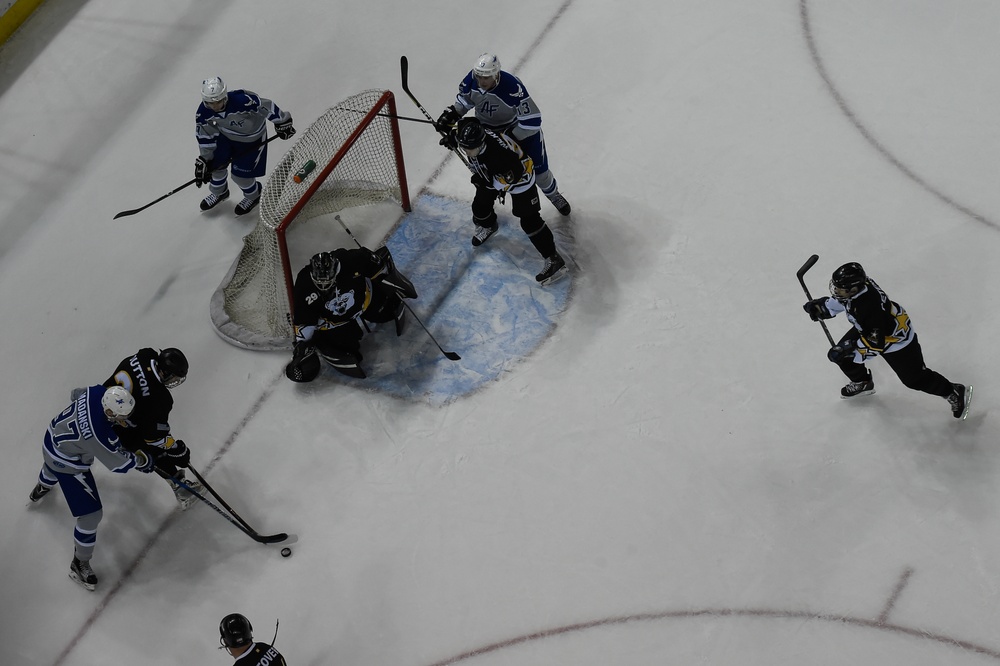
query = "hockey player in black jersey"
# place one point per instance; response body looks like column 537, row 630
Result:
column 149, row 375
column 335, row 297
column 499, row 167
column 236, row 636
column 881, row 328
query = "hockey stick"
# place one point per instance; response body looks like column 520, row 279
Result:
column 253, row 534
column 388, row 115
column 404, row 69
column 126, row 213
column 450, row 355
column 800, row 274
column 218, row 497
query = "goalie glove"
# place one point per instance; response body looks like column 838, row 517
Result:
column 284, row 130
column 202, row 172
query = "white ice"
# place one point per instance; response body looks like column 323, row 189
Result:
column 673, row 471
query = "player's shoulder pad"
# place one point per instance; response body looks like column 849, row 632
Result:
column 242, row 99
column 510, row 89
column 468, row 84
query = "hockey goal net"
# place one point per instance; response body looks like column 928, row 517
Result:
column 358, row 160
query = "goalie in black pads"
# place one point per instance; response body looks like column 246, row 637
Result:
column 336, row 296
column 881, row 328
column 500, row 166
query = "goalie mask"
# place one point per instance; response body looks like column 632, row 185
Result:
column 323, row 269
column 847, row 281
column 172, row 366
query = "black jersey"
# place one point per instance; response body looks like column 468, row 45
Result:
column 153, row 402
column 882, row 324
column 261, row 654
column 350, row 296
column 503, row 165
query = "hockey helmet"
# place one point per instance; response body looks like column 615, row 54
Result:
column 847, row 280
column 487, row 69
column 470, row 135
column 213, row 91
column 323, row 269
column 235, row 631
column 118, row 403
column 172, row 366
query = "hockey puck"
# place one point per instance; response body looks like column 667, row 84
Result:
column 286, row 552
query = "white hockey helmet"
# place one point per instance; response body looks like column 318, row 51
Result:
column 213, row 90
column 487, row 67
column 118, row 403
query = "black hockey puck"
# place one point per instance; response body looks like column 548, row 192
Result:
column 286, row 552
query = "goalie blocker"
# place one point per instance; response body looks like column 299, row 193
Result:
column 336, row 296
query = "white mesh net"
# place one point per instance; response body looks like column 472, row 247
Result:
column 358, row 162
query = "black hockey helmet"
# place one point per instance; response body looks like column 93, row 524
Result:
column 848, row 280
column 470, row 135
column 323, row 269
column 235, row 631
column 172, row 366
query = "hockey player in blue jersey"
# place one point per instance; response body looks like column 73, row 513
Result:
column 231, row 127
column 76, row 437
column 503, row 105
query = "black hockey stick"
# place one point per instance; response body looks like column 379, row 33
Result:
column 218, row 497
column 450, row 355
column 253, row 534
column 126, row 213
column 404, row 70
column 800, row 274
column 388, row 115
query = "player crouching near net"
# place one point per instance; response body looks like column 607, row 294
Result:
column 336, row 296
column 881, row 328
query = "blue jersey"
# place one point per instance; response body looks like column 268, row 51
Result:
column 81, row 433
column 244, row 120
column 505, row 108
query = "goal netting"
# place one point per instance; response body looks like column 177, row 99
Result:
column 358, row 161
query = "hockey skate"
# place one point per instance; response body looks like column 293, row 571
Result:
column 559, row 201
column 247, row 205
column 555, row 268
column 213, row 200
column 960, row 400
column 82, row 573
column 483, row 234
column 184, row 496
column 855, row 389
column 38, row 492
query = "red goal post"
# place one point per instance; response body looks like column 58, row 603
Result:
column 358, row 158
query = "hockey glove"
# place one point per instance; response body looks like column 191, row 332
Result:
column 284, row 130
column 449, row 141
column 841, row 352
column 202, row 172
column 816, row 309
column 179, row 455
column 143, row 462
column 447, row 120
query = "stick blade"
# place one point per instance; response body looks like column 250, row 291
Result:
column 452, row 356
column 125, row 213
column 404, row 70
column 281, row 537
column 810, row 262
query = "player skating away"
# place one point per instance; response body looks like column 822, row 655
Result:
column 336, row 295
column 881, row 328
column 231, row 126
column 236, row 636
column 149, row 376
column 502, row 104
column 76, row 437
column 501, row 167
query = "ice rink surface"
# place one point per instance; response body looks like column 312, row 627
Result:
column 670, row 478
